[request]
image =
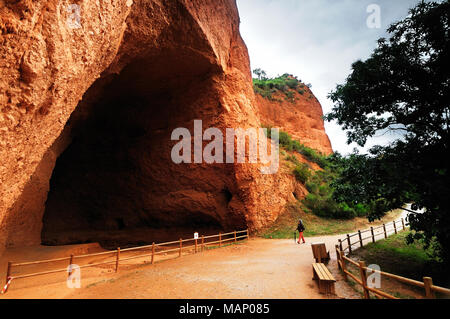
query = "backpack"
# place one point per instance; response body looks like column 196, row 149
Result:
column 300, row 226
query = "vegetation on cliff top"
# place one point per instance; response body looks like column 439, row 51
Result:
column 285, row 84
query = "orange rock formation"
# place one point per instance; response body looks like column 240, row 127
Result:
column 86, row 116
column 301, row 118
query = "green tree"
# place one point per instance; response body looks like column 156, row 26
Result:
column 404, row 87
column 261, row 74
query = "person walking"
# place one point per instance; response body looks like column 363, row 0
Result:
column 301, row 229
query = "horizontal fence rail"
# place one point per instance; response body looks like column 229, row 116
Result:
column 176, row 247
column 384, row 231
column 345, row 247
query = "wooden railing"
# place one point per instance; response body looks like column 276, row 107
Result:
column 343, row 262
column 385, row 230
column 116, row 256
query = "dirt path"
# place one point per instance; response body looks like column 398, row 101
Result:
column 258, row 268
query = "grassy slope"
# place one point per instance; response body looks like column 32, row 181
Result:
column 285, row 225
column 393, row 255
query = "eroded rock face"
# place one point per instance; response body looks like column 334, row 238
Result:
column 87, row 114
column 46, row 67
column 301, row 118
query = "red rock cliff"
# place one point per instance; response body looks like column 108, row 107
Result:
column 86, row 116
column 301, row 117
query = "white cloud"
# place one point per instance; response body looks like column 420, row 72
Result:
column 317, row 40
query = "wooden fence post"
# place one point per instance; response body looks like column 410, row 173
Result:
column 235, row 240
column 181, row 247
column 340, row 245
column 363, row 272
column 8, row 271
column 70, row 265
column 248, row 236
column 117, row 259
column 203, row 242
column 360, row 238
column 385, row 233
column 338, row 258
column 343, row 265
column 373, row 234
column 403, row 223
column 153, row 253
column 220, row 240
column 429, row 293
column 395, row 227
column 349, row 244
column 196, row 245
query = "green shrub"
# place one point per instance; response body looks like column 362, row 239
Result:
column 324, row 190
column 285, row 140
column 326, row 207
column 320, row 200
column 312, row 187
column 361, row 210
column 266, row 87
column 297, row 146
column 293, row 145
column 268, row 131
column 302, row 173
column 290, row 96
column 292, row 83
column 344, row 211
column 293, row 159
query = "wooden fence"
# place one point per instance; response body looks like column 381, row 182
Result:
column 116, row 256
column 384, row 231
column 343, row 262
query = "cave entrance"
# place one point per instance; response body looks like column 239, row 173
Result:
column 115, row 182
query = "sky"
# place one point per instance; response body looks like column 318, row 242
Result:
column 318, row 40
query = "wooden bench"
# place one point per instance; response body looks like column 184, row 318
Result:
column 324, row 278
column 320, row 252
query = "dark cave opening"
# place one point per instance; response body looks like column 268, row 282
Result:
column 115, row 183
column 120, row 223
column 228, row 195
